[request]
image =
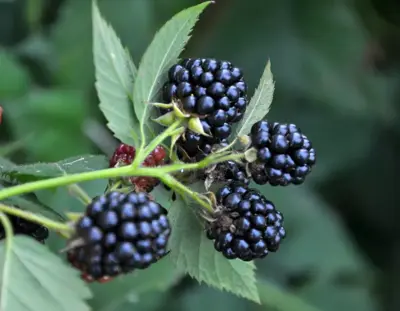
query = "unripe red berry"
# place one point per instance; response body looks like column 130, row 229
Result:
column 125, row 155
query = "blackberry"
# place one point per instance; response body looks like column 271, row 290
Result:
column 247, row 225
column 25, row 227
column 228, row 171
column 195, row 146
column 284, row 155
column 125, row 154
column 119, row 233
column 211, row 89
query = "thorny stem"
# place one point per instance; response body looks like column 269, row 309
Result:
column 51, row 224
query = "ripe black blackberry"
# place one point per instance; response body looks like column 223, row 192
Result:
column 228, row 171
column 119, row 233
column 211, row 89
column 195, row 146
column 284, row 155
column 25, row 227
column 247, row 225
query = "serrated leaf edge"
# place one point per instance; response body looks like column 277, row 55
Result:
column 255, row 298
column 102, row 27
column 142, row 70
column 264, row 86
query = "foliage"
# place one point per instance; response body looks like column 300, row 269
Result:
column 28, row 280
column 323, row 84
column 203, row 262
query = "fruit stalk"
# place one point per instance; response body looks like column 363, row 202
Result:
column 143, row 153
column 108, row 173
column 51, row 224
column 181, row 188
column 161, row 173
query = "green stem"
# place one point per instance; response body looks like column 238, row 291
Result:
column 108, row 173
column 214, row 159
column 158, row 172
column 161, row 173
column 51, row 224
column 115, row 186
column 142, row 154
column 81, row 194
column 8, row 229
column 179, row 187
column 65, row 180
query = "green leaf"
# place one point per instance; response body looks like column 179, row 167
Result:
column 279, row 299
column 30, row 172
column 115, row 73
column 260, row 103
column 162, row 53
column 162, row 196
column 33, row 279
column 6, row 163
column 194, row 254
column 200, row 298
column 28, row 204
column 149, row 301
column 159, row 277
column 146, row 132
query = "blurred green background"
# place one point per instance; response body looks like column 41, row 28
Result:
column 336, row 65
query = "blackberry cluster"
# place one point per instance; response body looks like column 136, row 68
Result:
column 247, row 225
column 229, row 171
column 118, row 234
column 125, row 154
column 284, row 155
column 25, row 227
column 212, row 90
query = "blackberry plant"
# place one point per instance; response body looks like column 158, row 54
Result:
column 214, row 138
